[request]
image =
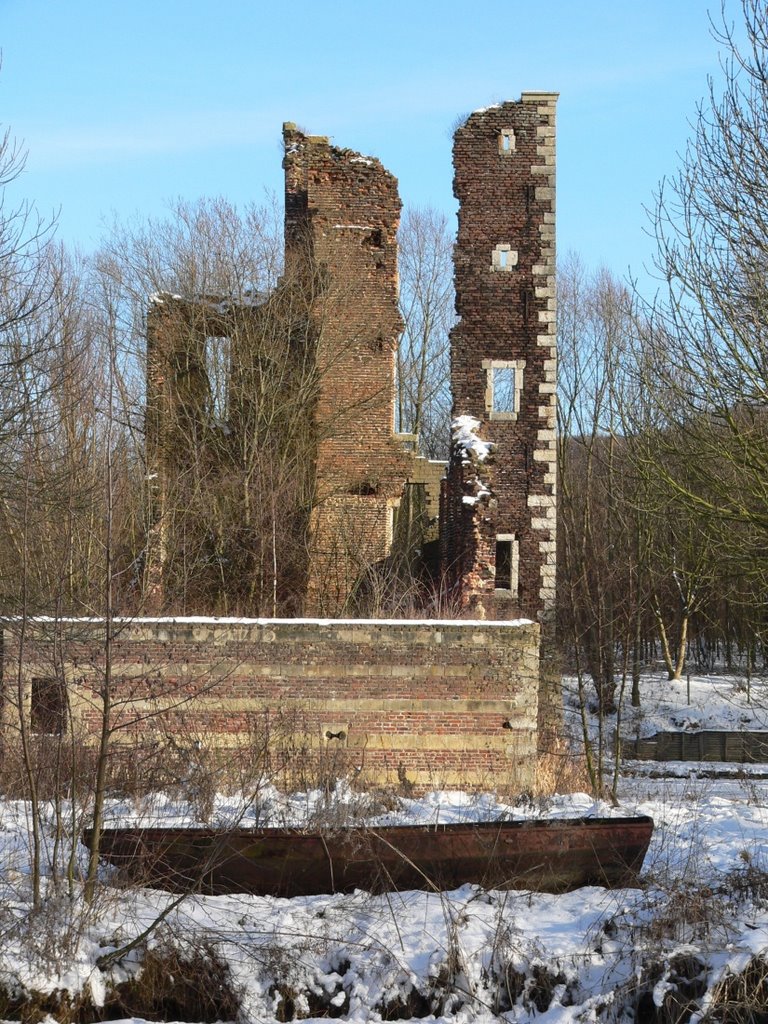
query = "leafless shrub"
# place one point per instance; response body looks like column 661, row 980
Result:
column 741, row 998
column 175, row 985
column 59, row 766
column 560, row 770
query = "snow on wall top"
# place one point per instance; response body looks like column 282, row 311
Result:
column 214, row 620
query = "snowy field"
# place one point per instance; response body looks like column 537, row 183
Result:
column 689, row 704
column 461, row 956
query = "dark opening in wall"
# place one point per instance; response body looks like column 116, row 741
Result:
column 47, row 709
column 503, row 564
column 526, row 298
column 507, row 565
column 365, row 488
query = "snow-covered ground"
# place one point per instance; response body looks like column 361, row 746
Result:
column 461, row 956
column 691, row 704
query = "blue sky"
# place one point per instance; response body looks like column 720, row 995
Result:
column 125, row 106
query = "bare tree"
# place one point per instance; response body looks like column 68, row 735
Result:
column 594, row 332
column 704, row 356
column 426, row 306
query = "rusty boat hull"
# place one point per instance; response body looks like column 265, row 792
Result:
column 555, row 855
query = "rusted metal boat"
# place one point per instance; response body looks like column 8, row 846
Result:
column 554, row 855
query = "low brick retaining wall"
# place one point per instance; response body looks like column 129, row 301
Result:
column 419, row 703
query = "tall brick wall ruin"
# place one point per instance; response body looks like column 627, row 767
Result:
column 332, row 327
column 195, row 429
column 426, row 704
column 342, row 215
column 499, row 502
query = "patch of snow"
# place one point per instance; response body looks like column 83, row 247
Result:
column 691, row 704
column 465, row 437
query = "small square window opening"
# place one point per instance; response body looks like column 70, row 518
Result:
column 507, row 141
column 504, row 257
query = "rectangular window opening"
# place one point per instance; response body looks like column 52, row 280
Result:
column 503, row 389
column 217, row 367
column 506, row 563
column 48, row 706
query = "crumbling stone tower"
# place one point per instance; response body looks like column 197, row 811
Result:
column 342, row 212
column 498, row 515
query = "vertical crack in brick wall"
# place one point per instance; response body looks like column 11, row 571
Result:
column 503, row 362
column 342, row 215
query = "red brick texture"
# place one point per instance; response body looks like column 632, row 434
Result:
column 438, row 703
column 504, row 271
column 342, row 215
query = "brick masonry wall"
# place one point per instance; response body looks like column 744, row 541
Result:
column 504, row 160
column 342, row 215
column 432, row 703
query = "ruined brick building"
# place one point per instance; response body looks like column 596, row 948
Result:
column 338, row 308
column 278, row 486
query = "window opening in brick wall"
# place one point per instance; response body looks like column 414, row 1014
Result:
column 503, row 257
column 390, row 525
column 504, row 385
column 507, row 555
column 504, row 389
column 507, row 141
column 48, row 705
column 218, row 361
column 526, row 300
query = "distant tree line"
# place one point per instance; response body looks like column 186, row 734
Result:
column 664, row 412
